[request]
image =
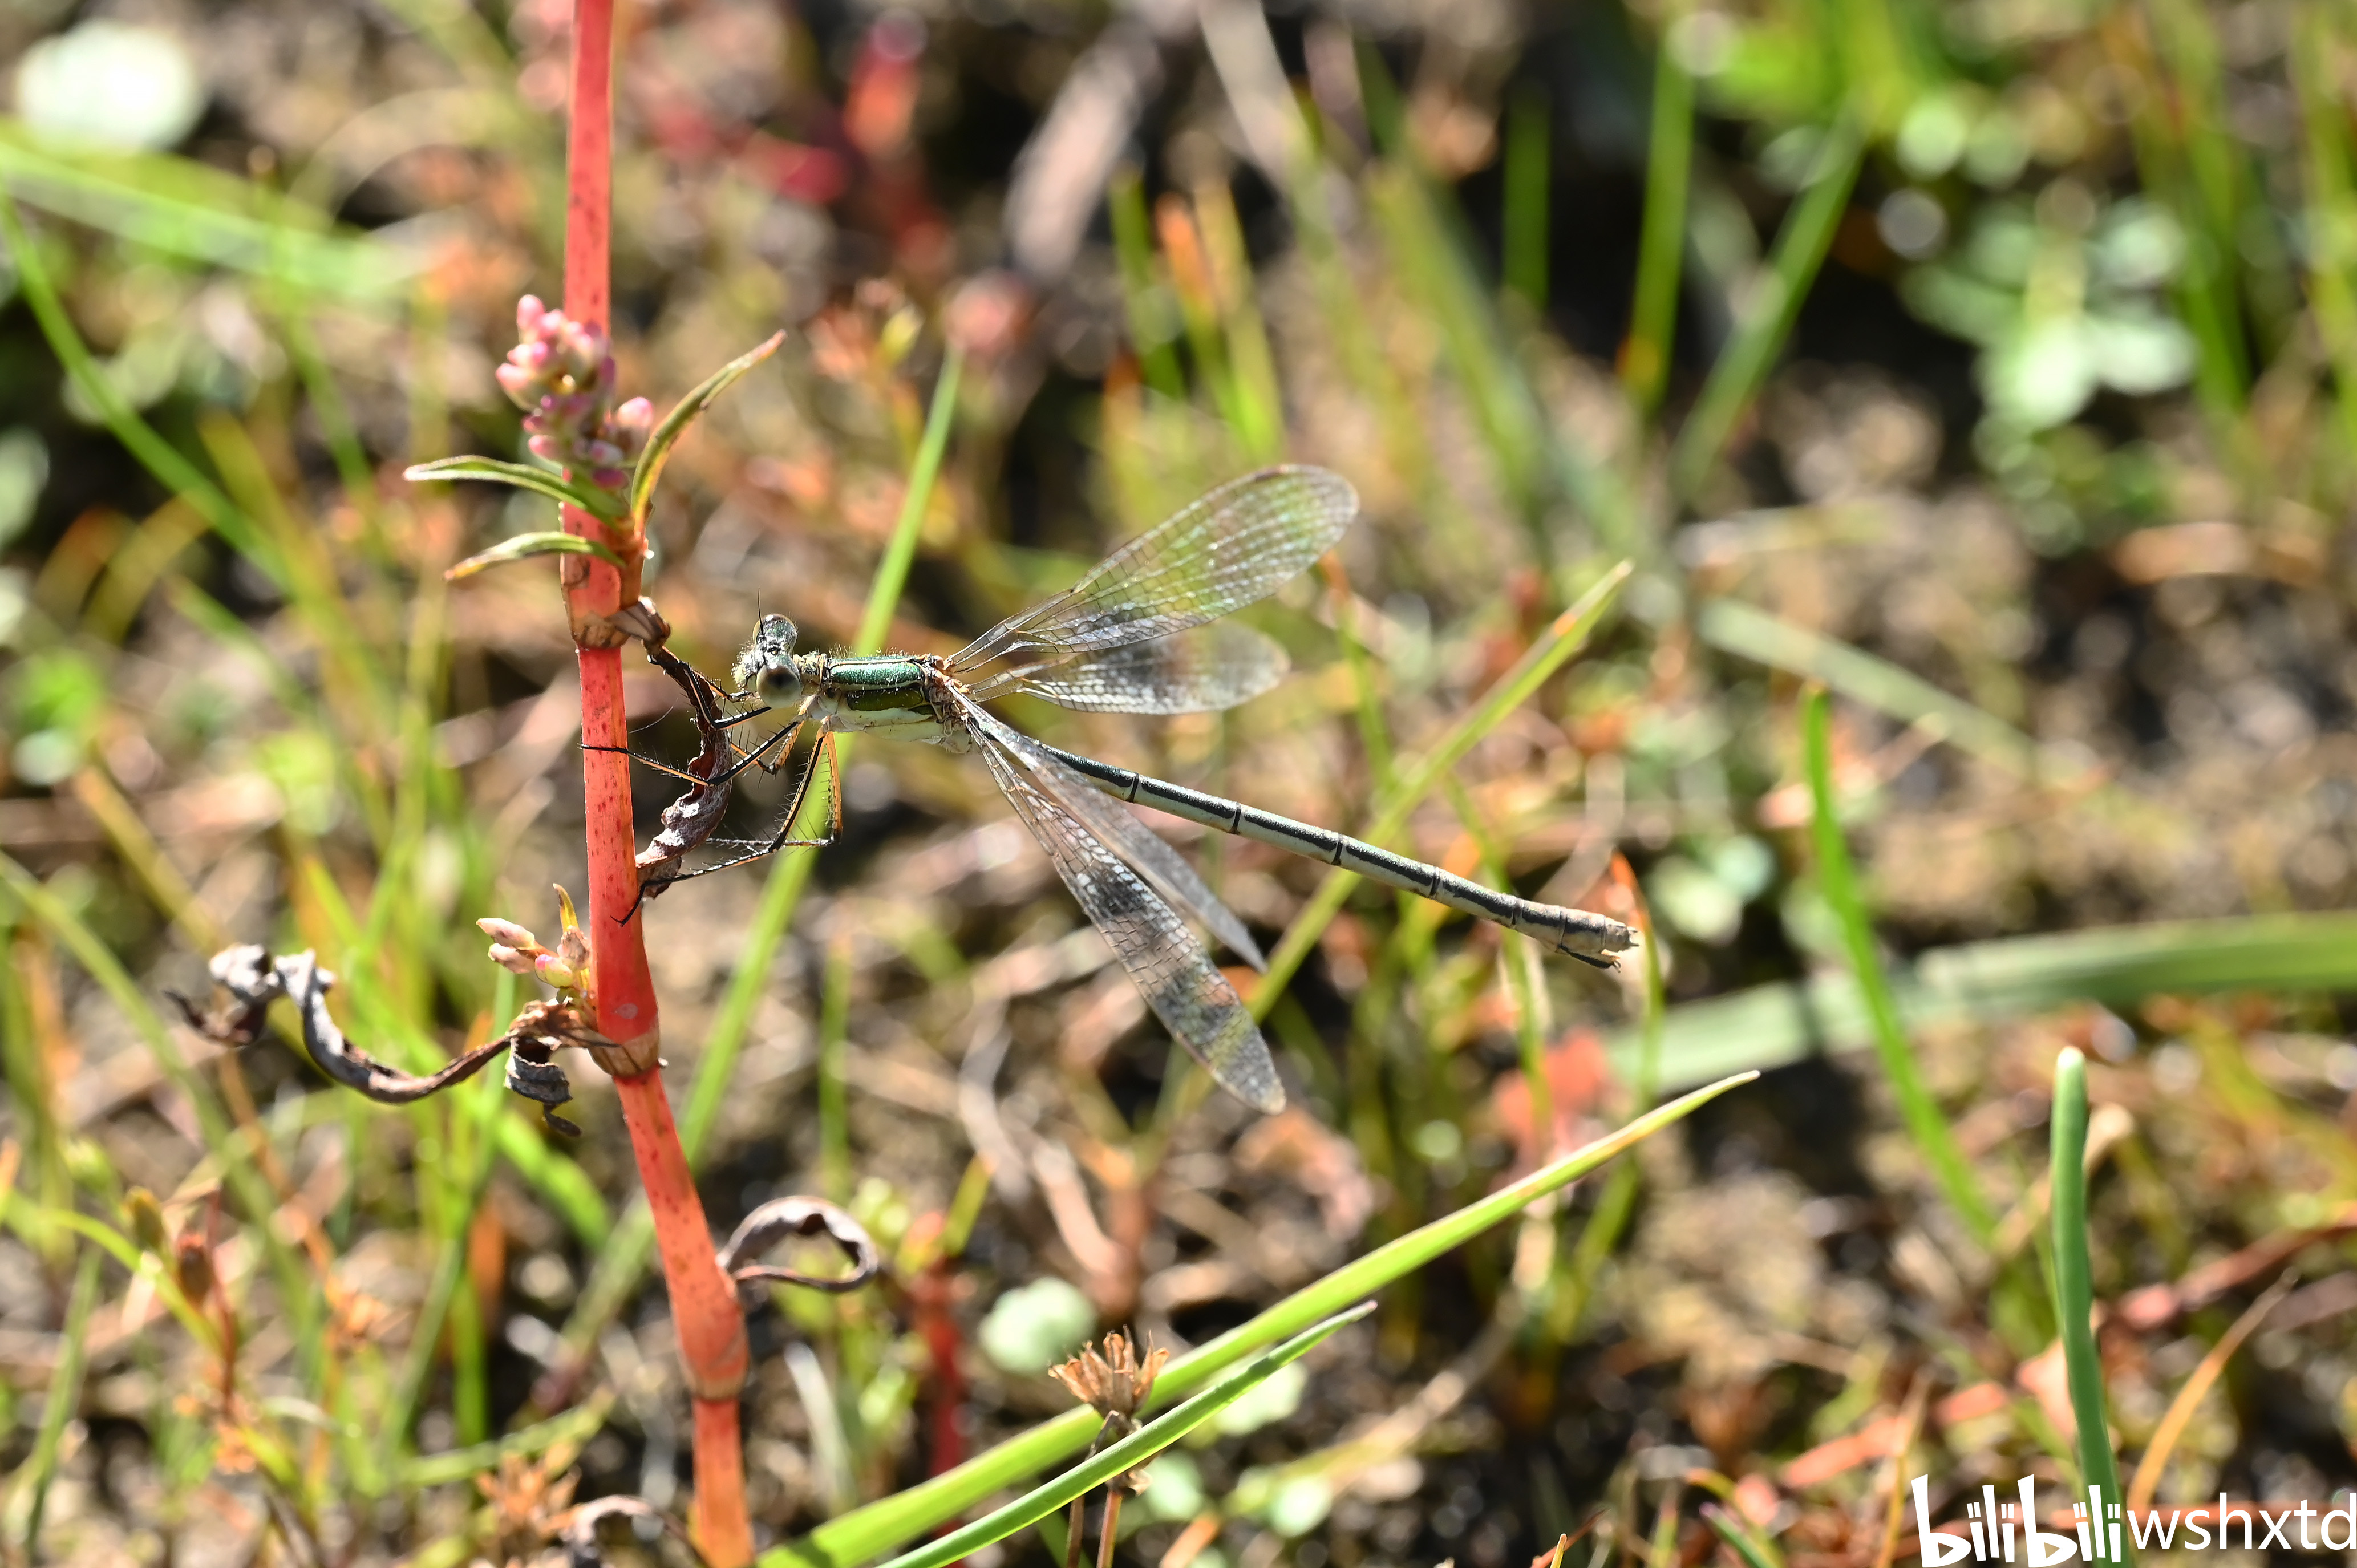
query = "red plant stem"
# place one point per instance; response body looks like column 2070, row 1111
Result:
column 710, row 1325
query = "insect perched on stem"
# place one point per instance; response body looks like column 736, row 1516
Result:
column 1131, row 636
column 690, row 820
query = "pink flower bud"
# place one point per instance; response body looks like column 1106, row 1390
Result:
column 546, row 449
column 529, row 312
column 517, row 383
column 506, row 931
column 556, row 971
column 512, row 960
column 629, row 424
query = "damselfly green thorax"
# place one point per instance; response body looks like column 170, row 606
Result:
column 1132, row 637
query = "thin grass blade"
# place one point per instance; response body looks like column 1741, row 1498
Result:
column 1770, row 1026
column 1126, row 1455
column 865, row 1532
column 2075, row 1291
column 1839, row 882
column 1742, row 368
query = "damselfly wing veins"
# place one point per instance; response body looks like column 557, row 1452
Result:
column 1132, row 637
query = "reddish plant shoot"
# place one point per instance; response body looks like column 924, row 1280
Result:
column 711, row 1324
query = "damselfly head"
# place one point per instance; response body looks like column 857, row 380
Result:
column 766, row 667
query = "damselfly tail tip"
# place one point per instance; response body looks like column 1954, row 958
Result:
column 1596, row 942
column 1267, row 1099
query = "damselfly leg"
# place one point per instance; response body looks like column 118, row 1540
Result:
column 823, row 758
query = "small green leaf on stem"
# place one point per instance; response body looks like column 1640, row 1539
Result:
column 675, row 423
column 601, row 504
column 525, row 544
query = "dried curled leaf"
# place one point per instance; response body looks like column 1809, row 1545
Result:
column 246, row 980
column 783, row 1217
column 579, row 1532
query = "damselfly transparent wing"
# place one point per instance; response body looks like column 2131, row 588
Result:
column 1190, row 997
column 1198, row 672
column 1233, row 548
column 1132, row 840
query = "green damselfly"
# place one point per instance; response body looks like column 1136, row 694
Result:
column 1134, row 635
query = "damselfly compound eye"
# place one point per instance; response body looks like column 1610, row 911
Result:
column 765, row 666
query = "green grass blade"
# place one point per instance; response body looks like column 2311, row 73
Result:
column 1441, row 279
column 674, row 426
column 574, row 1427
column 1746, row 1545
column 63, row 1399
column 1147, row 303
column 100, row 964
column 483, row 1100
column 155, row 454
column 1126, row 1455
column 1792, row 265
column 1839, row 882
column 1983, row 982
column 2074, row 1292
column 1524, row 239
column 2331, row 207
column 125, row 1251
column 892, row 571
column 188, row 210
column 1416, row 780
column 1661, row 241
column 559, row 1179
column 2163, row 127
column 1425, row 236
column 1252, row 363
column 1739, row 629
column 865, row 1532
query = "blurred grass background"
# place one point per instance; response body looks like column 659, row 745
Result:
column 1992, row 365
